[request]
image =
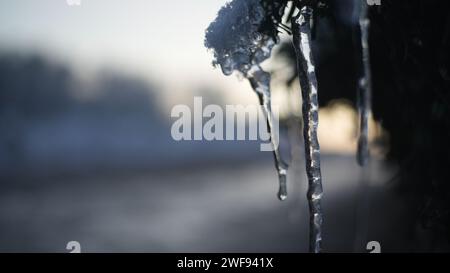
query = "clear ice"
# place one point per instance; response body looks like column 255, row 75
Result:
column 365, row 92
column 260, row 82
column 302, row 42
column 239, row 45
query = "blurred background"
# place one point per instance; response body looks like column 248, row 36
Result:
column 86, row 153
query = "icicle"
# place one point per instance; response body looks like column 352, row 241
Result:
column 365, row 92
column 239, row 45
column 260, row 82
column 308, row 82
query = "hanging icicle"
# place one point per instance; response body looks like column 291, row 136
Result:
column 364, row 88
column 260, row 82
column 242, row 37
column 301, row 28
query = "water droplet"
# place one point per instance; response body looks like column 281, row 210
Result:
column 282, row 179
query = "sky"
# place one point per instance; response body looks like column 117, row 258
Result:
column 159, row 40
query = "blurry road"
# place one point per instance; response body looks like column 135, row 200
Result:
column 221, row 208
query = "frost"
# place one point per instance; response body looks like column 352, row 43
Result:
column 239, row 37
